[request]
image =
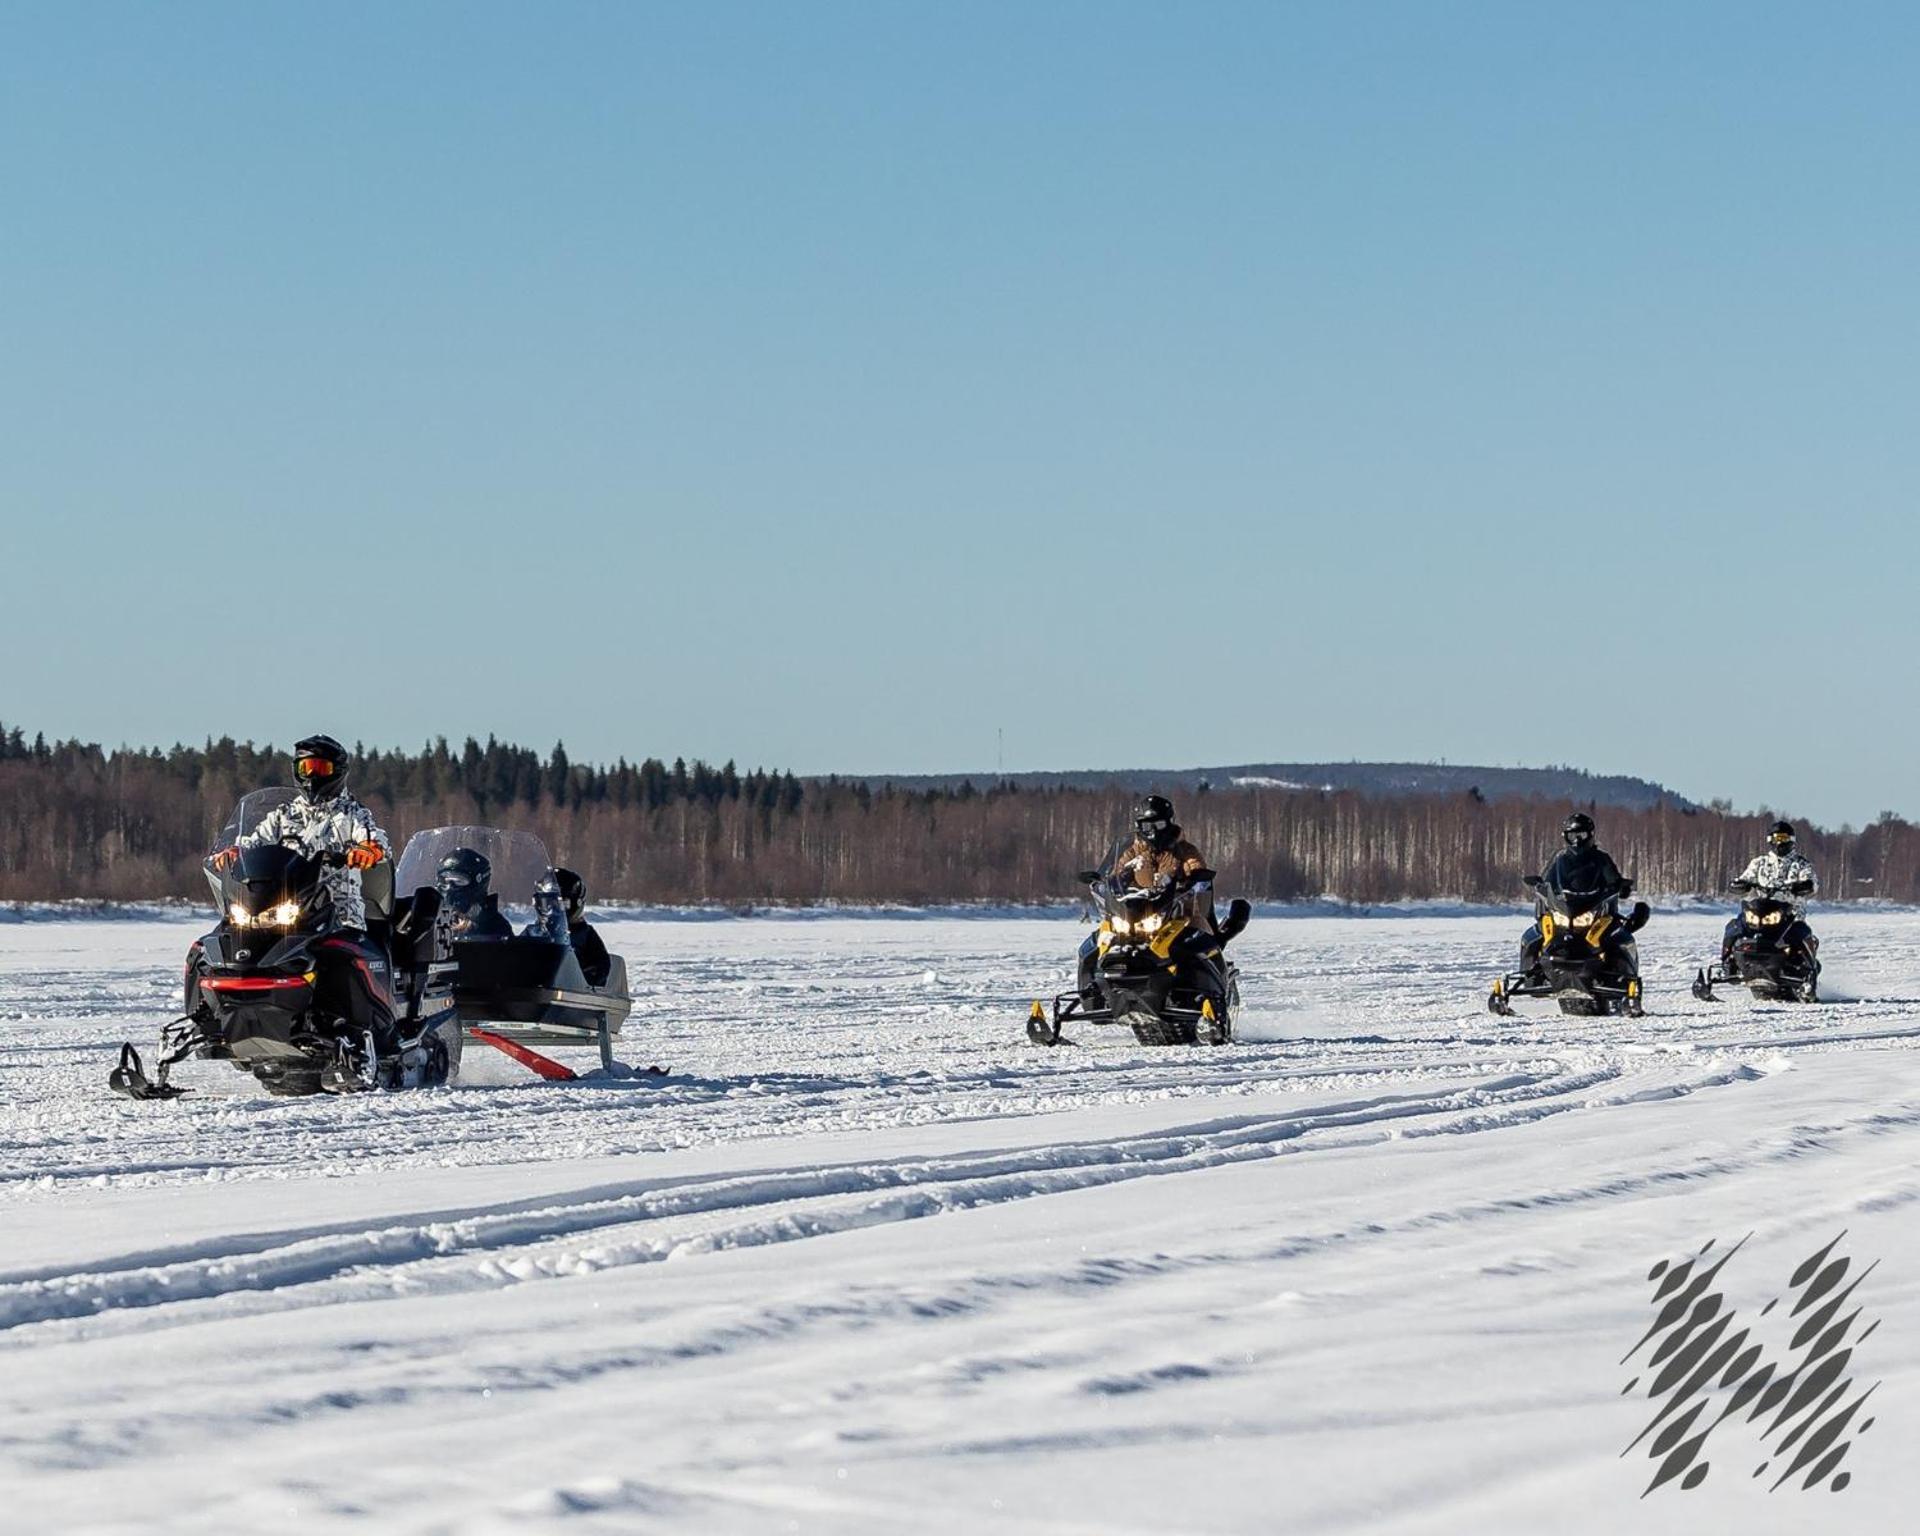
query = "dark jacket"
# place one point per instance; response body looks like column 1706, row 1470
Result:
column 484, row 921
column 595, row 963
column 1143, row 865
column 1585, row 871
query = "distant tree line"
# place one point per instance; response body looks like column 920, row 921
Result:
column 81, row 822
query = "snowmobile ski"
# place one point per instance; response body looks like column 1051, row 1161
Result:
column 130, row 1078
column 1040, row 1029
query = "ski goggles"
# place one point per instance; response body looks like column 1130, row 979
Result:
column 1150, row 830
column 314, row 767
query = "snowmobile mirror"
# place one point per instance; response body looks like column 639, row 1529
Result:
column 1089, row 877
column 1740, row 887
column 1638, row 918
column 1532, row 882
column 1801, row 888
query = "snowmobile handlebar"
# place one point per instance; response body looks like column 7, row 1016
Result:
column 1539, row 883
column 1164, row 886
column 225, row 858
column 1792, row 888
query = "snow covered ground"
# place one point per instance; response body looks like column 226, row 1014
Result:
column 866, row 1262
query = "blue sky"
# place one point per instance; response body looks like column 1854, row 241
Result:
column 834, row 386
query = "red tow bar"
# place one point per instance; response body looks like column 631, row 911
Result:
column 546, row 1066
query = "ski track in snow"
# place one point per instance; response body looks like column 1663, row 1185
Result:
column 864, row 1222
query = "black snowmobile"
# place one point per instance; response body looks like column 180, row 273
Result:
column 280, row 990
column 512, row 991
column 1776, row 955
column 1587, row 959
column 1155, row 964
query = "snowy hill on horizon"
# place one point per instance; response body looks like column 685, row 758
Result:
column 1620, row 791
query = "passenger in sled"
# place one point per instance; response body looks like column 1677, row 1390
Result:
column 559, row 914
column 549, row 981
column 468, row 907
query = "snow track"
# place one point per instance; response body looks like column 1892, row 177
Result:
column 866, row 1261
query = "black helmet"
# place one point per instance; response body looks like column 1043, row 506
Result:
column 550, row 904
column 1577, row 830
column 1780, row 838
column 463, row 878
column 319, row 767
column 574, row 891
column 1153, row 821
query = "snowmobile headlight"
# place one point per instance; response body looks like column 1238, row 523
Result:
column 1585, row 919
column 285, row 915
column 1121, row 927
column 1151, row 924
column 1773, row 919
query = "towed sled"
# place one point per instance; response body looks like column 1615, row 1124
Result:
column 1155, row 964
column 527, row 990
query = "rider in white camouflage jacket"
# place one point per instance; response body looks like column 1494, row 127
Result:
column 326, row 819
column 1776, row 872
column 1773, row 875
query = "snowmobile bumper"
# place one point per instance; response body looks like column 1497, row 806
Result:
column 1171, row 1020
column 1772, row 975
column 1600, row 990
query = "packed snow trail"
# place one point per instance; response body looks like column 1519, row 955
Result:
column 868, row 1262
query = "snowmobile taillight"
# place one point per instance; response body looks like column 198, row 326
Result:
column 257, row 983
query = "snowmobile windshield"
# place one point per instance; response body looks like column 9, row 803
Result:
column 250, row 812
column 1572, row 899
column 1577, row 881
column 519, row 860
column 1120, row 888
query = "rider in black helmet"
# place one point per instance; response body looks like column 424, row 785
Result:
column 595, row 962
column 1159, row 854
column 549, row 911
column 469, row 908
column 1580, row 866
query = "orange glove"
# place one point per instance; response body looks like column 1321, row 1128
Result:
column 364, row 856
column 225, row 857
